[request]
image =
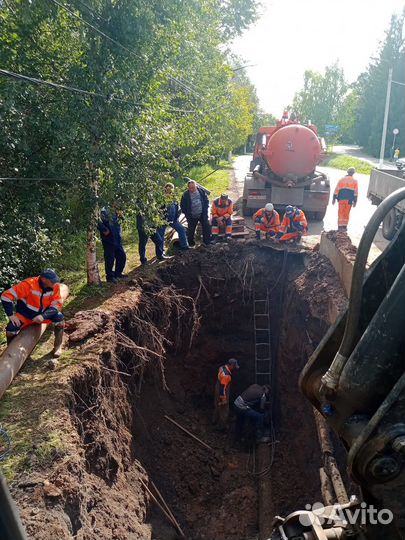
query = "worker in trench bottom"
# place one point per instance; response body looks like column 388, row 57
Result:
column 38, row 301
column 253, row 405
column 221, row 393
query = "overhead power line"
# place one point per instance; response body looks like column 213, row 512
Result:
column 92, row 26
column 91, row 10
column 57, row 86
column 34, row 80
column 244, row 67
column 109, row 38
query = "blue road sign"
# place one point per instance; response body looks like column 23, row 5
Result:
column 331, row 128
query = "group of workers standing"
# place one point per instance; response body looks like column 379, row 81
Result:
column 194, row 205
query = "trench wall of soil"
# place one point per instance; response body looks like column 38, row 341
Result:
column 136, row 366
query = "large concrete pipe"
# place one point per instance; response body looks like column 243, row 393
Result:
column 20, row 348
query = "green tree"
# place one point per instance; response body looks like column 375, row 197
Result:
column 160, row 99
column 347, row 117
column 321, row 98
column 372, row 88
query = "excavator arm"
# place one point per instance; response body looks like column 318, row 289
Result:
column 356, row 380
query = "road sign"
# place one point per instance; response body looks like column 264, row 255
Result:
column 331, row 128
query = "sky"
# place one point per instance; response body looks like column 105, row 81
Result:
column 291, row 36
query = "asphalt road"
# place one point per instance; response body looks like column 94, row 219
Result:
column 359, row 215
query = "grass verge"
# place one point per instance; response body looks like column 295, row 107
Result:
column 343, row 162
column 218, row 180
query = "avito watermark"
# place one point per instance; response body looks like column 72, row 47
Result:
column 363, row 514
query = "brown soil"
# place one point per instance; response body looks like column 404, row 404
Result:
column 154, row 350
column 343, row 243
column 321, row 289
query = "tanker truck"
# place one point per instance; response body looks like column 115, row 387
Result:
column 283, row 170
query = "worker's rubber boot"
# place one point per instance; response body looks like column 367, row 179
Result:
column 9, row 338
column 57, row 347
column 214, row 239
column 258, row 235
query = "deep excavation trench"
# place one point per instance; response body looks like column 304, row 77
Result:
column 140, row 367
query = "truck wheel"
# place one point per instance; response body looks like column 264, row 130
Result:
column 318, row 216
column 245, row 210
column 390, row 224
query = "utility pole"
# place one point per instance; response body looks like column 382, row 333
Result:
column 387, row 108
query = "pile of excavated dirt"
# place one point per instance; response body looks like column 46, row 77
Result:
column 343, row 243
column 321, row 289
column 153, row 350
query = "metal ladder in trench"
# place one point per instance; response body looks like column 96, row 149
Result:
column 261, row 321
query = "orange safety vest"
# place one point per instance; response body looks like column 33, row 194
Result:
column 222, row 210
column 270, row 220
column 224, row 379
column 346, row 190
column 287, row 223
column 32, row 299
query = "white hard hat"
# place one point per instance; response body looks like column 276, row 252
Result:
column 269, row 207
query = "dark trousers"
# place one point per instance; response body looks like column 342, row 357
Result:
column 57, row 318
column 206, row 228
column 253, row 416
column 157, row 238
column 114, row 254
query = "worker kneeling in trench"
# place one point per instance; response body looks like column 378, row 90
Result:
column 252, row 404
column 39, row 301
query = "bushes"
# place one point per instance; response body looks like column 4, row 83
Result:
column 26, row 247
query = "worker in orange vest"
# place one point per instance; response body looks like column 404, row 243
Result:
column 346, row 193
column 293, row 226
column 222, row 210
column 266, row 220
column 38, row 301
column 221, row 394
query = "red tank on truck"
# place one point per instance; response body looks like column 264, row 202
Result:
column 283, row 170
